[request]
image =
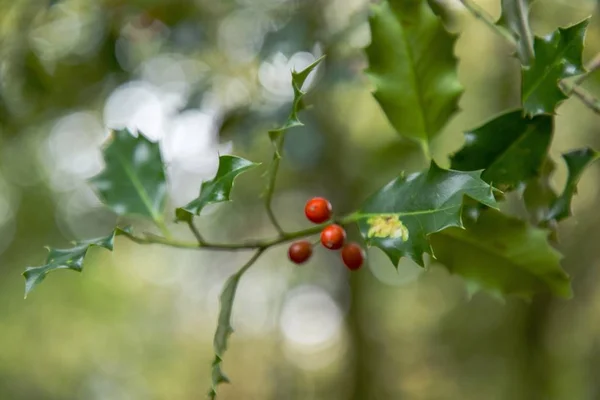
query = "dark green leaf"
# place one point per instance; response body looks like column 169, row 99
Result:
column 298, row 79
column 400, row 217
column 502, row 253
column 133, row 180
column 71, row 258
column 543, row 204
column 557, row 56
column 413, row 68
column 510, row 148
column 218, row 189
column 539, row 194
column 577, row 161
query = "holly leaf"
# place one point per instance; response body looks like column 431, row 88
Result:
column 544, row 205
column 133, row 180
column 400, row 217
column 413, row 68
column 577, row 161
column 218, row 189
column 224, row 331
column 502, row 254
column 71, row 258
column 557, row 56
column 298, row 79
column 539, row 195
column 224, row 328
column 510, row 148
column 217, row 377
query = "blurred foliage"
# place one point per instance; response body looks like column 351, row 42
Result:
column 138, row 323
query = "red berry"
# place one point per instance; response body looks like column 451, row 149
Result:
column 300, row 251
column 317, row 210
column 353, row 256
column 333, row 237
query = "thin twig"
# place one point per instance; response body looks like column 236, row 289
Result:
column 587, row 98
column 149, row 238
column 160, row 222
column 273, row 169
column 524, row 30
column 277, row 137
column 196, row 232
column 520, row 24
column 527, row 51
column 487, row 19
column 574, row 89
column 590, row 67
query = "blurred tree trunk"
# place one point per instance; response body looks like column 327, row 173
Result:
column 360, row 353
column 536, row 365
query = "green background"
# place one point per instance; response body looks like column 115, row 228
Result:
column 138, row 323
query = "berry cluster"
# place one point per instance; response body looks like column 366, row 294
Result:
column 318, row 210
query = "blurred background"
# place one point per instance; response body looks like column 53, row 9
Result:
column 206, row 77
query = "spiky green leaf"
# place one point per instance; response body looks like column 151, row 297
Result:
column 400, row 217
column 558, row 55
column 510, row 148
column 133, row 180
column 217, row 377
column 71, row 258
column 539, row 195
column 218, row 189
column 413, row 68
column 545, row 206
column 502, row 254
column 577, row 161
column 224, row 328
column 298, row 79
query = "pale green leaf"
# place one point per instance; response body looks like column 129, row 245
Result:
column 413, row 68
column 224, row 328
column 502, row 254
